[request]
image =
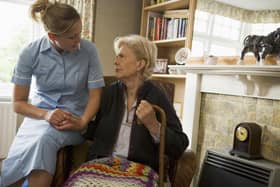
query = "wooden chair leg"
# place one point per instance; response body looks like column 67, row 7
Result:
column 185, row 169
column 63, row 166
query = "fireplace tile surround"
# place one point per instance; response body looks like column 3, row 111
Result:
column 219, row 114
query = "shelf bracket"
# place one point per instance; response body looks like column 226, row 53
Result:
column 248, row 84
column 259, row 85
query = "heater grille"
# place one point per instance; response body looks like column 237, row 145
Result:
column 239, row 168
column 225, row 170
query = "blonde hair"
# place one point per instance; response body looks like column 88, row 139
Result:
column 57, row 18
column 142, row 48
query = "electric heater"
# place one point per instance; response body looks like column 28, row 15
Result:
column 224, row 170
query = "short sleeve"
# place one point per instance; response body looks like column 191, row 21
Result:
column 23, row 70
column 95, row 76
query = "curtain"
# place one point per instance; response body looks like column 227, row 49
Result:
column 86, row 9
column 249, row 16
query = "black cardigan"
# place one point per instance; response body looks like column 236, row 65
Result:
column 105, row 129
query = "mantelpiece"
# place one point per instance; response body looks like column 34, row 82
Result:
column 264, row 70
column 241, row 80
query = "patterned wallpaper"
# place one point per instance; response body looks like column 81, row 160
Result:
column 220, row 114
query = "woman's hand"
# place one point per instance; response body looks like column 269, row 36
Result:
column 56, row 116
column 63, row 120
column 67, row 121
column 146, row 114
column 73, row 123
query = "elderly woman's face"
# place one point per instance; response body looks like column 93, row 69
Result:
column 126, row 64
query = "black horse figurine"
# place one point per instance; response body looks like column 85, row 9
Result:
column 261, row 46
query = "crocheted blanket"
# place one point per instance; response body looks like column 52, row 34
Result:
column 113, row 172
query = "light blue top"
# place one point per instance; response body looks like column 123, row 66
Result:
column 62, row 79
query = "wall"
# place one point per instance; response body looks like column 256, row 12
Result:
column 220, row 114
column 114, row 18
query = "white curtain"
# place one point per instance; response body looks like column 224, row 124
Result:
column 249, row 16
column 86, row 9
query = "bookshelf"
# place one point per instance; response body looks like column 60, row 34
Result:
column 156, row 20
column 180, row 11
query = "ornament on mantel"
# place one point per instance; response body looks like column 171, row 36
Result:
column 261, row 46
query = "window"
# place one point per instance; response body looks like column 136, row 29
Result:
column 220, row 50
column 16, row 32
column 264, row 29
column 216, row 35
column 226, row 28
column 198, row 44
column 203, row 19
column 222, row 36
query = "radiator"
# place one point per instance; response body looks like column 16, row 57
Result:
column 8, row 127
column 225, row 170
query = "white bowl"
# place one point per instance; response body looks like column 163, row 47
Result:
column 211, row 60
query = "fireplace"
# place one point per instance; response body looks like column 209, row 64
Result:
column 219, row 97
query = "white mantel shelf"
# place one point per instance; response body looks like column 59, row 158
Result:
column 257, row 70
column 244, row 80
column 239, row 80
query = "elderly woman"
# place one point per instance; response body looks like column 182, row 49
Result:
column 126, row 130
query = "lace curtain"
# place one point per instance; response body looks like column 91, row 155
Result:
column 86, row 9
column 249, row 16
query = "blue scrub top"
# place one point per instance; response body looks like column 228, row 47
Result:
column 62, row 80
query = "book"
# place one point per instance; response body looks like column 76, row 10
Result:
column 152, row 25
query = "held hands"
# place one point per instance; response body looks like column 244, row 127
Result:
column 63, row 120
column 146, row 114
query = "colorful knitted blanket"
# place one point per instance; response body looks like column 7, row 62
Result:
column 113, row 172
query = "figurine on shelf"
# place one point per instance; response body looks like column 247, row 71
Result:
column 261, row 46
column 182, row 56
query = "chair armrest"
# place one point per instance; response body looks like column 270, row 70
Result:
column 185, row 169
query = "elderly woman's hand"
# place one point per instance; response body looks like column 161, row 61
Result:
column 146, row 114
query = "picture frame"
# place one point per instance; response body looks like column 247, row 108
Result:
column 161, row 66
